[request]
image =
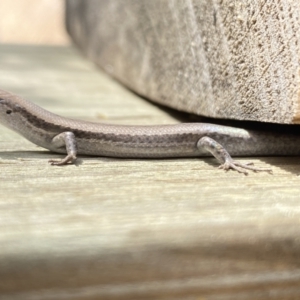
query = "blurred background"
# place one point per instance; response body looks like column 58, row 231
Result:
column 33, row 22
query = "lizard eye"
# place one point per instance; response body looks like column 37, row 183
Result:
column 8, row 112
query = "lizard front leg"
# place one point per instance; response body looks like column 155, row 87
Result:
column 68, row 140
column 221, row 154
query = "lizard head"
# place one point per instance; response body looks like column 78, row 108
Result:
column 9, row 111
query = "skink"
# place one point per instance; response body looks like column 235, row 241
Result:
column 64, row 135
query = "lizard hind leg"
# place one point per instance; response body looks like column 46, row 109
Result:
column 222, row 155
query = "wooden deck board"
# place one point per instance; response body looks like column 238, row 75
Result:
column 134, row 229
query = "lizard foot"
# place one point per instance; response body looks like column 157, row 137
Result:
column 242, row 167
column 69, row 159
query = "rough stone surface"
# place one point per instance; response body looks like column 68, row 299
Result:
column 220, row 58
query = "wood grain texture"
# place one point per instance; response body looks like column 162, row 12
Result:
column 221, row 58
column 134, row 229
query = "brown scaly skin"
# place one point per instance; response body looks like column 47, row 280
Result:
column 64, row 135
